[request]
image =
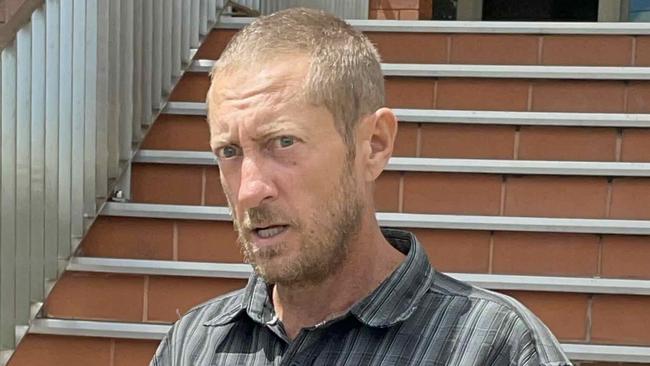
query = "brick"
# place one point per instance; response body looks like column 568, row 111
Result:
column 208, row 241
column 482, row 94
column 456, row 250
column 214, row 44
column 567, row 143
column 642, row 51
column 630, row 198
column 47, row 350
column 595, row 96
column 170, row 297
column 395, row 4
column 166, row 132
column 193, row 87
column 550, row 196
column 404, row 92
column 620, row 319
column 79, row 295
column 129, row 237
column 472, row 194
column 636, row 145
column 467, row 141
column 490, row 49
column 626, row 256
column 385, row 14
column 424, row 48
column 587, row 50
column 406, row 140
column 638, row 97
column 214, row 195
column 426, row 9
column 387, row 192
column 548, row 254
column 565, row 314
column 409, row 14
column 134, row 352
column 166, row 183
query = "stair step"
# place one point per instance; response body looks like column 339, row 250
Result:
column 483, row 27
column 488, row 281
column 486, row 166
column 407, row 220
column 465, row 251
column 583, row 352
column 493, row 71
column 537, row 95
column 526, row 43
column 518, row 118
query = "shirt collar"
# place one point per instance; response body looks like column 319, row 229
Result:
column 392, row 302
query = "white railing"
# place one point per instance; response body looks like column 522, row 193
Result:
column 80, row 84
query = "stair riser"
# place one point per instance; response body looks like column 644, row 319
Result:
column 464, row 251
column 615, row 319
column 456, row 141
column 433, row 193
column 603, row 96
column 506, row 49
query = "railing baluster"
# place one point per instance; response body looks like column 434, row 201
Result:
column 78, row 114
column 177, row 13
column 185, row 30
column 137, row 70
column 102, row 103
column 23, row 162
column 194, row 23
column 8, row 199
column 156, row 69
column 147, row 49
column 114, row 67
column 167, row 46
column 90, row 125
column 126, row 80
column 37, row 202
column 203, row 18
column 52, row 139
column 212, row 11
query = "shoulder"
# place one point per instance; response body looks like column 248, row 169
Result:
column 191, row 330
column 520, row 332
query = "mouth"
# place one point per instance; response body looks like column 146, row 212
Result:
column 269, row 232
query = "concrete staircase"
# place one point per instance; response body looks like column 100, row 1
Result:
column 515, row 174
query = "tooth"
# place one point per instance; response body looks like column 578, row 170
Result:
column 267, row 233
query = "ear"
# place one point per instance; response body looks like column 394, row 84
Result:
column 381, row 129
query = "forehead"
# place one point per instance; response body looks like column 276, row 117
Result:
column 261, row 94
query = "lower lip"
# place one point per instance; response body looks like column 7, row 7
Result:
column 259, row 241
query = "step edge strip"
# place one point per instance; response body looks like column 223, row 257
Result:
column 480, row 116
column 493, row 71
column 243, row 271
column 583, row 352
column 432, row 26
column 489, row 166
column 407, row 220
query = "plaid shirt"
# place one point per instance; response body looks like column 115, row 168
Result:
column 417, row 316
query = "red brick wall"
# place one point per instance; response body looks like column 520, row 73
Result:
column 401, row 9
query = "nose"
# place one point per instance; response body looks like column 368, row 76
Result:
column 255, row 185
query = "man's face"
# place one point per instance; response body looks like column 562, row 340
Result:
column 284, row 169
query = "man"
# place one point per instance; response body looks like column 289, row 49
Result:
column 298, row 127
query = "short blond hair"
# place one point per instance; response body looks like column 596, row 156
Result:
column 345, row 72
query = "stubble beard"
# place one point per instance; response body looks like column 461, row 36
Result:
column 324, row 238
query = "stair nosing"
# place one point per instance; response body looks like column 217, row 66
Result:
column 406, row 220
column 453, row 165
column 480, row 117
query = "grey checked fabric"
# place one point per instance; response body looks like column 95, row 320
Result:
column 417, row 316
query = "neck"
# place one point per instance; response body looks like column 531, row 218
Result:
column 371, row 259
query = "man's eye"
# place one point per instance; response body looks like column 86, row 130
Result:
column 228, row 152
column 285, row 141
